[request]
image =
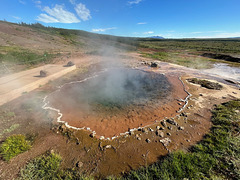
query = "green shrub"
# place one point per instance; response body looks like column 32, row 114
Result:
column 13, row 146
column 43, row 167
column 48, row 166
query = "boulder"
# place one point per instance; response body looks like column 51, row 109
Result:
column 43, row 73
column 153, row 64
column 70, row 63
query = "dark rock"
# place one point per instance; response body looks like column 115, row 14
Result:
column 181, row 128
column 148, row 140
column 92, row 135
column 144, row 130
column 79, row 164
column 153, row 64
column 70, row 63
column 163, row 123
column 171, row 121
column 43, row 73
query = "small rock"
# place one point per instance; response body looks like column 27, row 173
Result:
column 169, row 134
column 161, row 128
column 43, row 73
column 108, row 146
column 92, row 135
column 179, row 103
column 131, row 133
column 163, row 123
column 188, row 140
column 153, row 64
column 70, row 63
column 79, row 164
column 159, row 133
column 148, row 140
column 200, row 94
column 138, row 138
column 150, row 129
column 170, row 127
column 102, row 138
column 180, row 128
column 144, row 130
column 157, row 127
column 183, row 114
column 165, row 141
column 171, row 121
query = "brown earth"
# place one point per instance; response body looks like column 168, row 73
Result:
column 125, row 152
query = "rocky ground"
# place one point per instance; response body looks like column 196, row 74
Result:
column 80, row 149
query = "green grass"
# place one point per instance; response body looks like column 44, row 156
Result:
column 48, row 166
column 13, row 146
column 217, row 156
column 180, row 58
column 16, row 55
column 196, row 45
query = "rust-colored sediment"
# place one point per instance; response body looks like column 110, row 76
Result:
column 114, row 125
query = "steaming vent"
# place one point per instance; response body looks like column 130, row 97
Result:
column 112, row 96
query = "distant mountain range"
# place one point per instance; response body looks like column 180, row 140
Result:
column 157, row 37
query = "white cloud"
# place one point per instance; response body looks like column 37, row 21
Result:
column 38, row 2
column 103, row 30
column 47, row 19
column 16, row 17
column 22, row 2
column 134, row 2
column 140, row 23
column 82, row 12
column 72, row 1
column 148, row 32
column 57, row 15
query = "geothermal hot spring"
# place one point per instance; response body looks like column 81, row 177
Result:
column 116, row 100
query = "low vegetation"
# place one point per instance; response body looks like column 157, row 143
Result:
column 215, row 157
column 19, row 56
column 196, row 45
column 205, row 83
column 13, row 146
column 48, row 166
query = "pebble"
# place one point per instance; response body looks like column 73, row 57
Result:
column 159, row 133
column 148, row 140
column 79, row 164
column 163, row 123
column 102, row 138
column 181, row 128
column 144, row 130
column 92, row 135
column 169, row 134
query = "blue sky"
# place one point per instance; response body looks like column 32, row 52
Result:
column 138, row 18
